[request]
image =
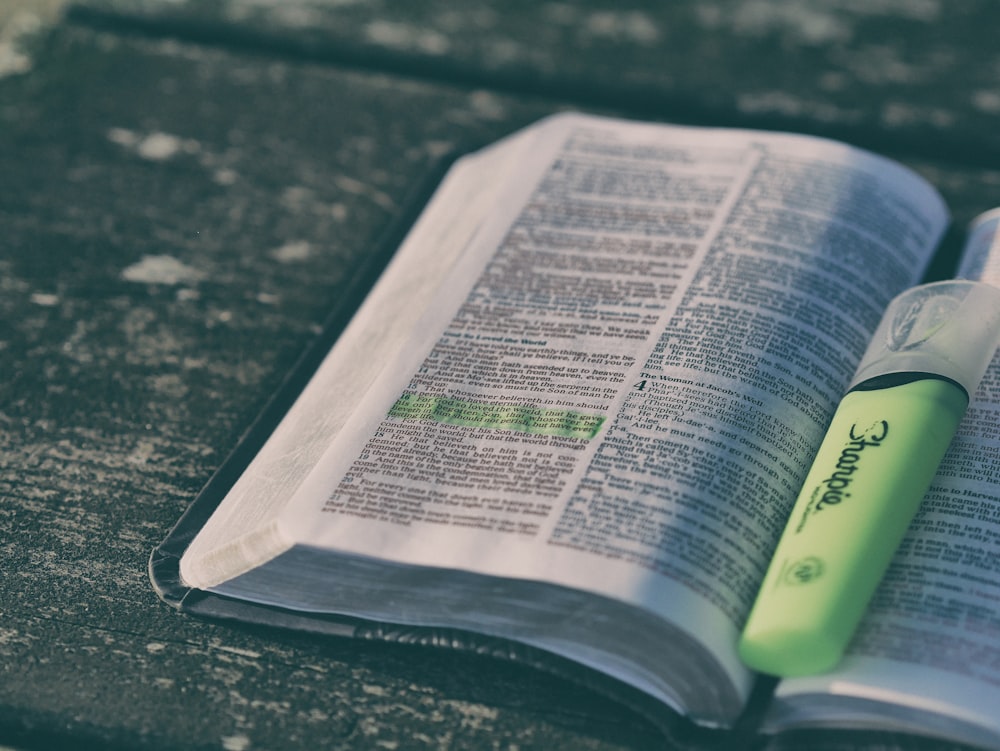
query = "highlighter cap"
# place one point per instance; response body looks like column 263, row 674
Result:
column 948, row 329
column 981, row 257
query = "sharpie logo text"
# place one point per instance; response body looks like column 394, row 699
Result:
column 835, row 488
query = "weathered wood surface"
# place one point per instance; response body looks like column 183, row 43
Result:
column 922, row 75
column 176, row 222
column 178, row 216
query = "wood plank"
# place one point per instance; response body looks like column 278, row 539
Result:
column 913, row 76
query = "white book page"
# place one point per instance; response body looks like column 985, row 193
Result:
column 627, row 372
column 877, row 694
column 383, row 323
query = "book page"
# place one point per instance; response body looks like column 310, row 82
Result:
column 931, row 639
column 626, row 374
column 380, row 327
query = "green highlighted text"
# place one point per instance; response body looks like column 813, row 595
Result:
column 519, row 417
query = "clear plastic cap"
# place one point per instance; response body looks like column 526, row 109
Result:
column 949, row 329
column 981, row 257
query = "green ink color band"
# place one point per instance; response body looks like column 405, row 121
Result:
column 516, row 417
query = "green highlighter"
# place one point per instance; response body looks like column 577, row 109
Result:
column 873, row 468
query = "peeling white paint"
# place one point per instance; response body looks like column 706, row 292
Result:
column 487, row 105
column 503, row 51
column 356, row 187
column 13, row 34
column 140, row 456
column 12, row 60
column 9, row 636
column 900, row 114
column 238, row 651
column 406, row 37
column 123, row 137
column 809, row 25
column 297, row 198
column 290, row 252
column 44, row 299
column 785, row 104
column 156, row 146
column 818, row 23
column 473, row 715
column 633, row 26
column 438, row 148
column 987, row 101
column 225, row 176
column 160, row 270
column 237, row 742
column 918, row 10
column 318, row 715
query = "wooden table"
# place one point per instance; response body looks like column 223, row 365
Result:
column 187, row 187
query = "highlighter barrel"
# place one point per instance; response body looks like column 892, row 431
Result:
column 873, row 468
column 870, row 474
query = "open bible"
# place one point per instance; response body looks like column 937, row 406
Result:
column 575, row 409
